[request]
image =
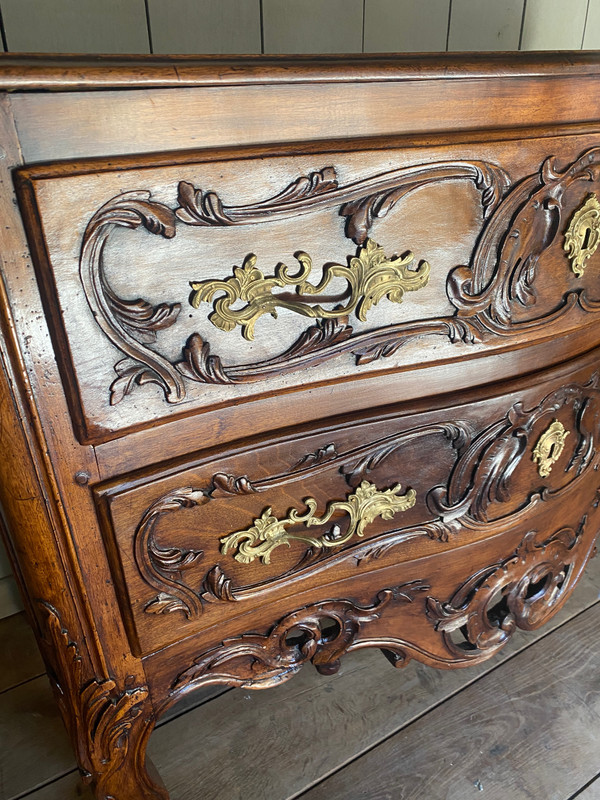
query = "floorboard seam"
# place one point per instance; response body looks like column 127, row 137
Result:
column 160, row 723
column 42, row 785
column 21, row 683
column 416, row 718
column 584, row 787
column 23, row 795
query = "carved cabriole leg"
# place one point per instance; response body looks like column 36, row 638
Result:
column 108, row 719
column 109, row 724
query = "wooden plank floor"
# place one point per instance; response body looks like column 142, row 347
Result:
column 524, row 725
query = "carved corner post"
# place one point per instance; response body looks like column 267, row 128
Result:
column 109, row 724
column 109, row 720
column 109, row 716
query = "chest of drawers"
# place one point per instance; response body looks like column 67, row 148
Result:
column 298, row 357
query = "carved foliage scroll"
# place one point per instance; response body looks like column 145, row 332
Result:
column 165, row 567
column 490, row 294
column 131, row 325
column 478, row 492
column 108, row 724
column 320, row 633
column 521, row 591
column 501, row 277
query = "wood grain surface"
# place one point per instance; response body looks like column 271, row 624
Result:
column 546, row 705
column 351, row 702
column 406, row 461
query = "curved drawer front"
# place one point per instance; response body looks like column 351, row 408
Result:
column 218, row 278
column 219, row 538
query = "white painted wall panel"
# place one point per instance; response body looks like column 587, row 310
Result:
column 554, row 24
column 591, row 39
column 485, row 24
column 75, row 26
column 312, row 26
column 205, row 26
column 403, row 26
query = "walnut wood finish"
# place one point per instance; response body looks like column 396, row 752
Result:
column 218, row 467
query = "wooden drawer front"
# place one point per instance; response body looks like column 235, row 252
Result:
column 449, row 609
column 173, row 297
column 221, row 537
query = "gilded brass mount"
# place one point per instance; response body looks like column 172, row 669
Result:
column 363, row 506
column 549, row 447
column 583, row 234
column 370, row 275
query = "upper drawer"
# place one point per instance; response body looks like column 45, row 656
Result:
column 186, row 283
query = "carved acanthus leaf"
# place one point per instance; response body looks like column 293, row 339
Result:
column 164, row 604
column 140, row 318
column 130, row 324
column 257, row 660
column 361, row 212
column 231, row 484
column 480, row 478
column 217, row 586
column 476, row 493
column 163, row 567
column 199, row 365
column 489, row 294
column 320, row 456
column 523, row 591
column 197, row 207
column 101, row 717
column 356, row 471
column 501, row 276
column 315, row 344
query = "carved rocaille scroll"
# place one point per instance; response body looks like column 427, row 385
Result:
column 521, row 221
column 477, row 495
column 108, row 725
column 522, row 591
column 164, row 567
column 321, row 633
column 132, row 325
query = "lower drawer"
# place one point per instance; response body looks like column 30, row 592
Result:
column 213, row 542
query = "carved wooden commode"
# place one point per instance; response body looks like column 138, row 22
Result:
column 298, row 358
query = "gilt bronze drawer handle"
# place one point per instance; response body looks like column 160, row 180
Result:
column 549, row 447
column 583, row 234
column 370, row 275
column 363, row 506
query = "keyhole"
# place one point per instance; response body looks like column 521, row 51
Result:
column 551, row 451
column 586, row 239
